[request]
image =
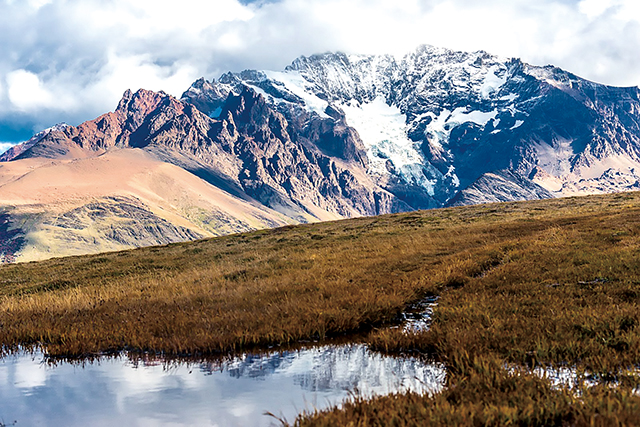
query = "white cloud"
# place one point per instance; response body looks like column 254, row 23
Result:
column 629, row 10
column 594, row 8
column 135, row 72
column 72, row 60
column 26, row 92
column 625, row 10
column 34, row 4
column 149, row 18
column 37, row 4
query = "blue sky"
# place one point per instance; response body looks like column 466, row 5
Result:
column 68, row 60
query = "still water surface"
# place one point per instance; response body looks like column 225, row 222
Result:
column 119, row 392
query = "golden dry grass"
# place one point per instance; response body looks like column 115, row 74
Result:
column 287, row 284
column 532, row 283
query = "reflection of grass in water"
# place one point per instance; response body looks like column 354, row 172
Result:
column 481, row 392
column 531, row 283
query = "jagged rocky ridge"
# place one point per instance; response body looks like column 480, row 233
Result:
column 250, row 150
column 337, row 135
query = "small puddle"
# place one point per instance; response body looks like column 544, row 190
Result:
column 570, row 378
column 417, row 317
column 235, row 392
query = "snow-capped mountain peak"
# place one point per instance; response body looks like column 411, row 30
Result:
column 435, row 121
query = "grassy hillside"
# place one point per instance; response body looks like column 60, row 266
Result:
column 520, row 284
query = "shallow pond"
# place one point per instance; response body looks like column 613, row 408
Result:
column 237, row 392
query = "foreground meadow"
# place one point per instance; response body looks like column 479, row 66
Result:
column 552, row 283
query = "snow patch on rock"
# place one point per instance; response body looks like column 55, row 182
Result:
column 462, row 115
column 555, row 159
column 492, row 82
column 296, row 84
column 439, row 130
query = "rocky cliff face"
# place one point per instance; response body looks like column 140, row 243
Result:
column 364, row 135
column 499, row 186
column 15, row 151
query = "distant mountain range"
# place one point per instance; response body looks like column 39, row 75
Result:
column 332, row 136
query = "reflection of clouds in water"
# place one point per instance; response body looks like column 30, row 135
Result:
column 4, row 376
column 237, row 392
column 355, row 368
column 573, row 378
column 30, row 373
column 142, row 383
column 241, row 409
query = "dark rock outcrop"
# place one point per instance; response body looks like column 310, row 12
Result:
column 500, row 186
column 11, row 239
column 466, row 115
column 119, row 220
